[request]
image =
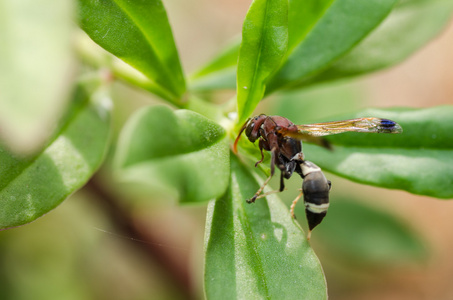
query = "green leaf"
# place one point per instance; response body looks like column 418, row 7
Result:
column 35, row 70
column 264, row 42
column 411, row 25
column 257, row 251
column 362, row 234
column 138, row 32
column 302, row 17
column 31, row 187
column 220, row 73
column 420, row 160
column 342, row 26
column 176, row 152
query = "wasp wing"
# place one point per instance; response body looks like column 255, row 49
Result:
column 377, row 125
column 317, row 140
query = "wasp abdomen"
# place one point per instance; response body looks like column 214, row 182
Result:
column 316, row 190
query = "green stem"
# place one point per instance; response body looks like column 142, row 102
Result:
column 96, row 57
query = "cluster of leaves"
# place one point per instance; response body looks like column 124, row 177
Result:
column 251, row 251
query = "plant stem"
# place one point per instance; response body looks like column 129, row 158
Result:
column 95, row 56
column 126, row 225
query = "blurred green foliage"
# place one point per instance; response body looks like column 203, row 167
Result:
column 180, row 148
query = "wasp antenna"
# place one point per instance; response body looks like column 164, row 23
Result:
column 235, row 145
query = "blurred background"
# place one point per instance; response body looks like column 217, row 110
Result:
column 106, row 242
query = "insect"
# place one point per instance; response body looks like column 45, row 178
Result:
column 283, row 139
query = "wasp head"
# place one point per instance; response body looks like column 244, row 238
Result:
column 252, row 129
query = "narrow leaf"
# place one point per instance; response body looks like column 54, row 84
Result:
column 303, row 15
column 411, row 25
column 256, row 251
column 220, row 73
column 180, row 152
column 420, row 160
column 264, row 42
column 32, row 187
column 35, row 70
column 342, row 26
column 139, row 33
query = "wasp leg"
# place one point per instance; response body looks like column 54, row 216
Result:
column 263, row 195
column 273, row 156
column 261, row 144
column 282, row 183
column 257, row 194
column 281, row 189
column 293, row 205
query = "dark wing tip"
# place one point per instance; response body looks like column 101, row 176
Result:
column 389, row 126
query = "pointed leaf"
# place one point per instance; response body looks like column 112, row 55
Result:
column 220, row 73
column 264, row 42
column 32, row 187
column 303, row 16
column 177, row 152
column 420, row 160
column 138, row 32
column 410, row 25
column 343, row 25
column 35, row 70
column 256, row 251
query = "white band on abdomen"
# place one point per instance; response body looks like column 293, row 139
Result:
column 309, row 167
column 317, row 208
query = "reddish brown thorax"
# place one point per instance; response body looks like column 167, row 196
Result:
column 267, row 130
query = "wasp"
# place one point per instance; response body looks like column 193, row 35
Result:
column 283, row 139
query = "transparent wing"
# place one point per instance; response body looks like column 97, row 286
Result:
column 377, row 125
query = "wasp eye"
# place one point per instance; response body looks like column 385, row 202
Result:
column 249, row 128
